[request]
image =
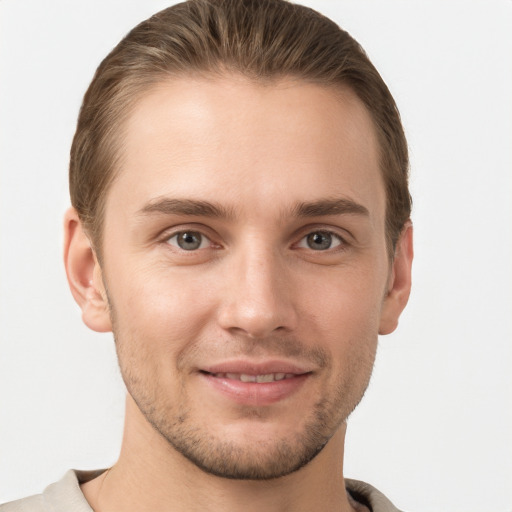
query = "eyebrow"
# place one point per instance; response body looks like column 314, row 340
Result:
column 200, row 208
column 196, row 208
column 336, row 206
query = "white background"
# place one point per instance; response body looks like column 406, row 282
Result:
column 435, row 429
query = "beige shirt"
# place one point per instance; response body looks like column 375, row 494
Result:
column 66, row 496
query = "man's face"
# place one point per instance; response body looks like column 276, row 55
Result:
column 246, row 268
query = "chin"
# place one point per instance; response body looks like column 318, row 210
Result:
column 251, row 461
column 251, row 448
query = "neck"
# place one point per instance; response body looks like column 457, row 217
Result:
column 152, row 475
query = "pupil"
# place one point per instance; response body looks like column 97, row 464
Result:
column 319, row 241
column 189, row 241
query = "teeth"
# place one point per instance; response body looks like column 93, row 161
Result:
column 248, row 378
column 269, row 377
column 244, row 377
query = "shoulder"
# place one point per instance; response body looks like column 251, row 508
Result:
column 369, row 496
column 30, row 504
column 62, row 496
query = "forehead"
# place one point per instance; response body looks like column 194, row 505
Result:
column 248, row 144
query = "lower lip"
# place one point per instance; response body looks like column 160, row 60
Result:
column 255, row 393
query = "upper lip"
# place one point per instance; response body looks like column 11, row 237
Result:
column 257, row 367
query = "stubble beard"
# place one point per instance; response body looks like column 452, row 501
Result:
column 264, row 460
column 273, row 458
column 222, row 457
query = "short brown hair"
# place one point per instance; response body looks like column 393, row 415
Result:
column 260, row 39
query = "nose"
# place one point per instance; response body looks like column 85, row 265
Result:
column 258, row 295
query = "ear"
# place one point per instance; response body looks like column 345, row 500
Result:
column 399, row 284
column 84, row 275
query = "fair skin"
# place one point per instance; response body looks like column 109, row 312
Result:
column 246, row 277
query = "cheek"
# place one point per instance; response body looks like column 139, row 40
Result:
column 348, row 300
column 346, row 316
column 156, row 317
column 158, row 310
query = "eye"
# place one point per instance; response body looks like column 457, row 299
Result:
column 320, row 241
column 189, row 240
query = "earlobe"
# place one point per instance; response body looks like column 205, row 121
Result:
column 84, row 275
column 399, row 286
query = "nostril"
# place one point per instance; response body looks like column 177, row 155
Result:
column 257, row 308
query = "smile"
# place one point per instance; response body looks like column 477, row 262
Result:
column 244, row 377
column 252, row 386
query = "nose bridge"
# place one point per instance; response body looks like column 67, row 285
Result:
column 258, row 295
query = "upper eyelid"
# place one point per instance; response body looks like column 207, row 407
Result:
column 169, row 232
column 341, row 239
column 340, row 233
column 168, row 236
column 177, row 232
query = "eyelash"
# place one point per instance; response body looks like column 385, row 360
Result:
column 335, row 237
column 190, row 232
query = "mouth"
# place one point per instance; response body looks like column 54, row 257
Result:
column 253, row 384
column 260, row 378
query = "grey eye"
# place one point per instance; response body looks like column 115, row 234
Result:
column 320, row 241
column 188, row 240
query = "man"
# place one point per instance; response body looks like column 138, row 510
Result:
column 240, row 222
